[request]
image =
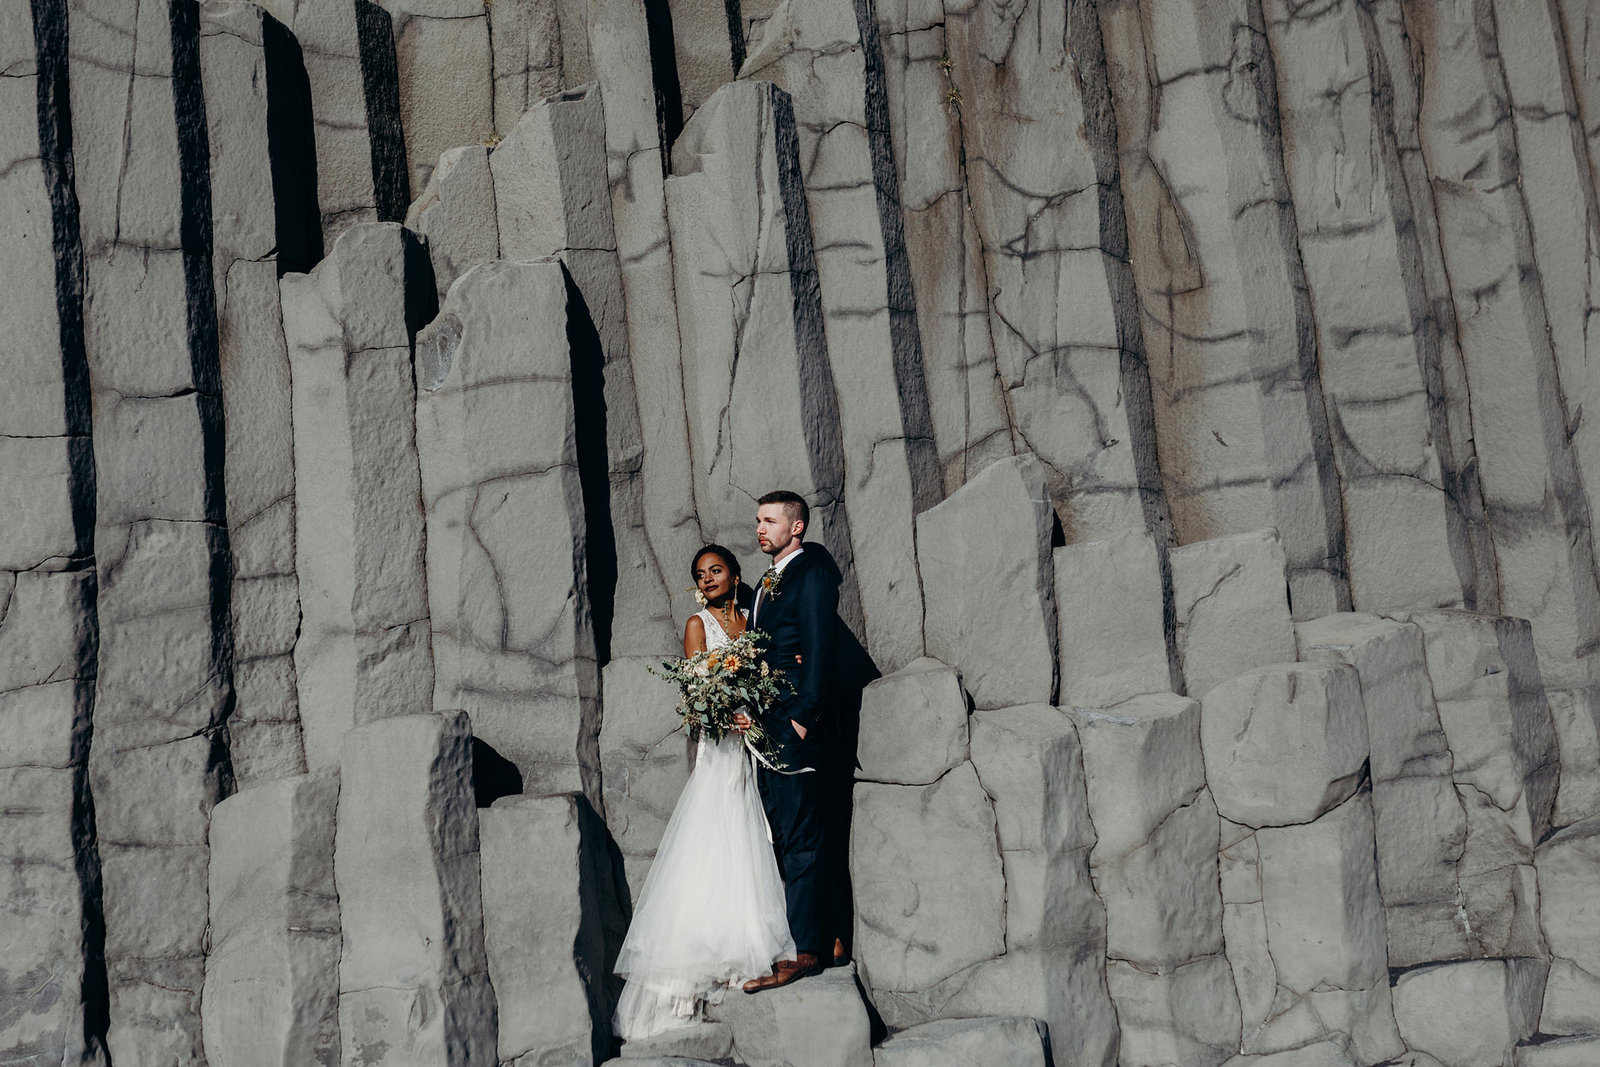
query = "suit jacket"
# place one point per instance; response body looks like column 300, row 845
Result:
column 799, row 618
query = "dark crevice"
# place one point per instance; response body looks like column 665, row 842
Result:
column 599, row 565
column 736, row 45
column 905, row 335
column 421, row 288
column 292, row 150
column 205, row 359
column 664, row 73
column 606, row 910
column 55, row 153
column 380, row 79
column 1100, row 125
column 493, row 776
column 819, row 400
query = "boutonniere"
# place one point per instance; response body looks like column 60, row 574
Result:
column 770, row 580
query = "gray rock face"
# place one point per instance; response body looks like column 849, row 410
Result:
column 1568, row 865
column 1002, row 1042
column 1570, row 996
column 750, row 317
column 988, row 585
column 413, row 977
column 1408, row 539
column 1039, row 152
column 363, row 651
column 931, row 852
column 1325, row 937
column 913, row 725
column 543, row 931
column 1231, row 607
column 507, row 566
column 1284, row 744
column 1125, row 349
column 825, row 54
column 1471, row 1012
column 1155, row 865
column 1497, row 723
column 1111, row 622
column 816, row 1022
column 1575, row 714
column 643, row 760
column 1530, row 480
column 45, row 710
column 1421, row 827
column 1234, row 343
column 272, row 976
column 1030, row 762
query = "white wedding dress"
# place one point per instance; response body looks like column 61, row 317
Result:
column 711, row 913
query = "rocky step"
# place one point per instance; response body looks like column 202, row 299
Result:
column 825, row 1021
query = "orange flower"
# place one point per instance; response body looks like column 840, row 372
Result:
column 713, row 661
column 732, row 663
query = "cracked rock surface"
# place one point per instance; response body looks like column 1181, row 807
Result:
column 1194, row 396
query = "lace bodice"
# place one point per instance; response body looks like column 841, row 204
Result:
column 716, row 636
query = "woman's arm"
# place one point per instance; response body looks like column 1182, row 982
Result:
column 694, row 636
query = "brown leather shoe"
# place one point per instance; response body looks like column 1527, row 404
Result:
column 786, row 971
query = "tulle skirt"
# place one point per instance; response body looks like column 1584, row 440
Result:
column 711, row 912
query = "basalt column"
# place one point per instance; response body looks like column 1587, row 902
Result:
column 159, row 758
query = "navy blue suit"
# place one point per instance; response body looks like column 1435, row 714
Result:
column 801, row 620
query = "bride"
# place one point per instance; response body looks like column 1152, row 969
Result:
column 711, row 912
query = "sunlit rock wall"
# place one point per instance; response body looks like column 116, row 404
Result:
column 1192, row 393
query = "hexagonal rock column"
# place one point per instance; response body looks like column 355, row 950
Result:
column 413, row 978
column 1569, row 911
column 1470, row 1013
column 966, row 400
column 363, row 651
column 159, row 757
column 1496, row 719
column 1575, row 714
column 751, row 320
column 644, row 761
column 1284, row 748
column 1242, row 427
column 258, row 463
column 507, row 566
column 1528, row 465
column 1562, row 1052
column 1055, row 935
column 1382, row 350
column 550, row 199
column 1558, row 192
column 1041, row 173
column 817, row 1022
column 548, row 899
column 826, row 55
column 271, row 996
column 991, row 1042
column 1421, row 826
column 1230, row 607
column 608, row 41
column 1285, row 743
column 46, row 916
column 988, row 583
column 1111, row 622
column 1155, row 866
column 913, row 725
column 930, row 855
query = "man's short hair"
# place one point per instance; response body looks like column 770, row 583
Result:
column 794, row 506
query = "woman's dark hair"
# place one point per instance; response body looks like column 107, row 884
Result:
column 728, row 558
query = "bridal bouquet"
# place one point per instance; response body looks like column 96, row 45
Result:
column 713, row 686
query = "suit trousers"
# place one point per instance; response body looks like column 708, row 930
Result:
column 796, row 806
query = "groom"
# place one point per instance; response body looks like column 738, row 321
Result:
column 796, row 606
